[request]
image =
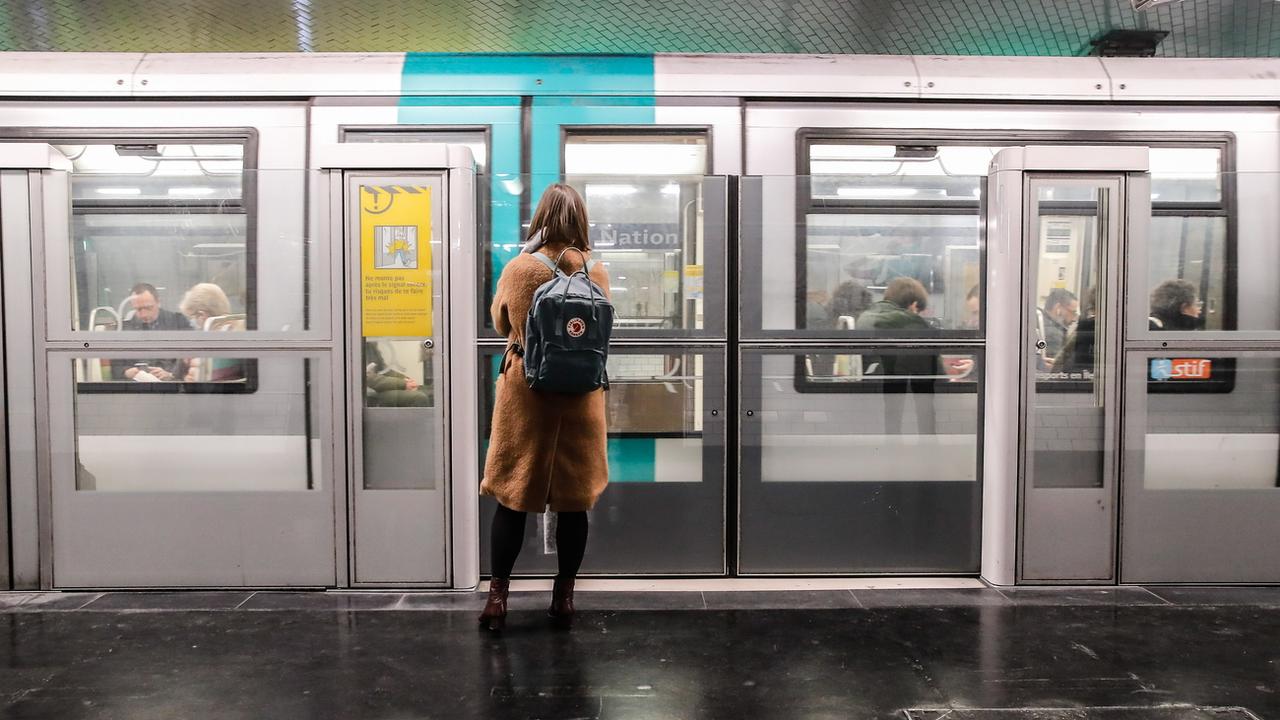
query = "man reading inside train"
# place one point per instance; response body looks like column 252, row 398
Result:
column 149, row 315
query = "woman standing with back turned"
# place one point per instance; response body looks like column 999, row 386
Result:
column 546, row 450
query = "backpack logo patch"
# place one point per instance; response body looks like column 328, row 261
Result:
column 575, row 327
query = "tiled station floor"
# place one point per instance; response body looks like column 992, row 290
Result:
column 961, row 653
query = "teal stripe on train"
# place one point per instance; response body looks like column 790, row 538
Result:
column 462, row 74
column 455, row 89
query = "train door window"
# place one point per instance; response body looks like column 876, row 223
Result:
column 644, row 194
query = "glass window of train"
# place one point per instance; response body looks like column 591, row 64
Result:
column 899, row 274
column 909, row 174
column 663, row 513
column 1201, row 411
column 161, row 236
column 475, row 139
column 162, row 437
column 644, row 194
column 1185, row 175
column 1187, row 274
column 834, row 483
column 111, row 174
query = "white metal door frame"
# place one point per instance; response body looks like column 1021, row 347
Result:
column 1004, row 301
column 453, row 165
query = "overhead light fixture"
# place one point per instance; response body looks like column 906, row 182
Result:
column 915, row 152
column 119, row 191
column 1128, row 43
column 671, row 189
column 874, row 192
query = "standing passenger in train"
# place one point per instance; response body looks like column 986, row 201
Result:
column 1176, row 305
column 905, row 371
column 546, row 451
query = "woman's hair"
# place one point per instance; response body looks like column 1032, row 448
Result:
column 561, row 216
column 205, row 298
column 1169, row 297
column 849, row 298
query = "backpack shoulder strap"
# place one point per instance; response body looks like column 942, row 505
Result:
column 551, row 264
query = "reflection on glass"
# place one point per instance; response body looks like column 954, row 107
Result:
column 911, row 173
column 1212, row 421
column 644, row 198
column 906, row 426
column 844, row 482
column 190, row 373
column 850, row 260
column 1067, row 412
column 1192, row 249
column 648, row 233
column 251, row 432
column 130, row 172
column 663, row 511
column 654, row 396
column 155, row 226
column 1185, row 175
column 873, row 371
column 402, row 434
column 168, row 255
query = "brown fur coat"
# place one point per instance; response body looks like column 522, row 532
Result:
column 545, row 450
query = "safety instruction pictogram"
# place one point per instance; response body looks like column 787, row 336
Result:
column 395, row 260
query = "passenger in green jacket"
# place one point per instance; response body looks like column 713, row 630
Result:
column 906, row 370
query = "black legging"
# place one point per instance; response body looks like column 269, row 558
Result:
column 506, row 537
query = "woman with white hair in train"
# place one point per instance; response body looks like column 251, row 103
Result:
column 202, row 302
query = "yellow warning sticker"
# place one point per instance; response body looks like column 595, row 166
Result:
column 395, row 260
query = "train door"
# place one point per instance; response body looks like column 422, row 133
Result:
column 405, row 214
column 1059, row 219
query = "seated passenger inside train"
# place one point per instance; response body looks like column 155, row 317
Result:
column 387, row 384
column 1176, row 305
column 208, row 308
column 1054, row 321
column 149, row 315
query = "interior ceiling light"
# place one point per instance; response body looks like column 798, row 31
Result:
column 1128, row 43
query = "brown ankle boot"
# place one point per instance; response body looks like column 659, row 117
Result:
column 561, row 609
column 494, row 616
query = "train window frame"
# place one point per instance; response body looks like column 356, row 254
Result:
column 705, row 136
column 807, row 137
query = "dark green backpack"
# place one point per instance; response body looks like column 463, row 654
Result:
column 567, row 335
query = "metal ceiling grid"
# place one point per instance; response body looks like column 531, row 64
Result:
column 1198, row 28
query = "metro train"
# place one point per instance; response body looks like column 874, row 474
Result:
column 1013, row 318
